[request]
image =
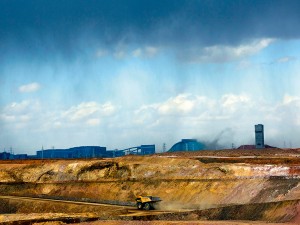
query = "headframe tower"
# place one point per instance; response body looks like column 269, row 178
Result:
column 259, row 136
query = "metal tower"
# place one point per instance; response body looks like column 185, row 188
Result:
column 259, row 136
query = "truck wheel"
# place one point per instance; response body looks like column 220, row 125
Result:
column 152, row 206
column 147, row 206
column 139, row 205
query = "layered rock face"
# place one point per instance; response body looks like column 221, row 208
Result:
column 182, row 182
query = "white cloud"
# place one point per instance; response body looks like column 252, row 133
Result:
column 86, row 110
column 146, row 52
column 19, row 115
column 285, row 59
column 234, row 102
column 179, row 104
column 57, row 124
column 182, row 107
column 32, row 87
column 120, row 54
column 288, row 99
column 151, row 51
column 18, row 107
column 289, row 109
column 21, row 108
column 81, row 111
column 7, row 118
column 25, row 118
column 93, row 122
column 101, row 53
column 224, row 53
column 137, row 52
column 32, row 115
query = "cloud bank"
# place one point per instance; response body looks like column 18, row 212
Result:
column 44, row 29
column 182, row 116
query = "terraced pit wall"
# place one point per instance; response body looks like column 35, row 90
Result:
column 182, row 183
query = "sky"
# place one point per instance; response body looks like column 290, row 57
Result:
column 125, row 73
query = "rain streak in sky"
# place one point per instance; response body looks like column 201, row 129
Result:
column 124, row 73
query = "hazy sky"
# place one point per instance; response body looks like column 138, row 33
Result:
column 125, row 73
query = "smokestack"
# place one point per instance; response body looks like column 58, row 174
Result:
column 259, row 136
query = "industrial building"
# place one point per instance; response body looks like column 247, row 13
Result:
column 7, row 155
column 259, row 136
column 82, row 152
column 72, row 153
column 187, row 145
column 140, row 150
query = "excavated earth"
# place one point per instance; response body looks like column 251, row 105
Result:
column 228, row 186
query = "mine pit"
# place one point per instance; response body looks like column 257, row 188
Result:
column 78, row 191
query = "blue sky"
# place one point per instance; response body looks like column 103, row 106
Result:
column 125, row 73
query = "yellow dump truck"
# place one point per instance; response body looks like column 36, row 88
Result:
column 146, row 202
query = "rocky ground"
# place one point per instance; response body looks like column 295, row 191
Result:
column 257, row 186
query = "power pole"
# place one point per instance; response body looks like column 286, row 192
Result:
column 42, row 152
column 164, row 147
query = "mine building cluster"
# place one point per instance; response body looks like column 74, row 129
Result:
column 82, row 152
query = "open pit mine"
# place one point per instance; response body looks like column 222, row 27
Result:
column 203, row 187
